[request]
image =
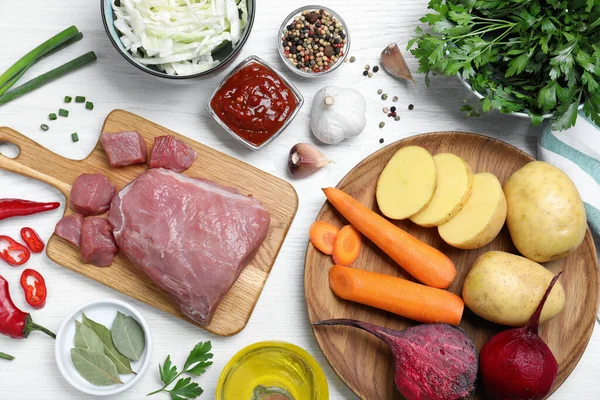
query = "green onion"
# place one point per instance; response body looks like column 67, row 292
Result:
column 79, row 99
column 89, row 105
column 48, row 77
column 74, row 137
column 68, row 99
column 67, row 36
column 44, row 127
column 52, row 116
column 63, row 113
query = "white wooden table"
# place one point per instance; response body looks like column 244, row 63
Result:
column 112, row 83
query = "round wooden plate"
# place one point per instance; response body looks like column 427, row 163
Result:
column 361, row 360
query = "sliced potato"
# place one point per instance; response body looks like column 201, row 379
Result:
column 481, row 218
column 454, row 181
column 407, row 183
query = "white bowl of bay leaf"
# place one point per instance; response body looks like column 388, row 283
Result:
column 105, row 340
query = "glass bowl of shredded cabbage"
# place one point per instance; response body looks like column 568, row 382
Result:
column 178, row 39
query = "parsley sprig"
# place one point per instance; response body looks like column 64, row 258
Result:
column 533, row 56
column 196, row 364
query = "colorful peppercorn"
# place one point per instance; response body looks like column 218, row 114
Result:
column 410, row 106
column 314, row 41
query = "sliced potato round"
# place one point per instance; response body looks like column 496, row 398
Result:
column 481, row 218
column 454, row 181
column 407, row 183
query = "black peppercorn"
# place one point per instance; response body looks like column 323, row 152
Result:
column 365, row 72
column 375, row 68
column 299, row 57
column 410, row 106
column 318, row 25
column 293, row 50
column 381, row 140
column 336, row 41
column 289, row 27
column 393, row 109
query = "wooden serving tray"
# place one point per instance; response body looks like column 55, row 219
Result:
column 361, row 360
column 233, row 313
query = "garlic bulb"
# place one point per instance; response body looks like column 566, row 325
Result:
column 305, row 160
column 337, row 113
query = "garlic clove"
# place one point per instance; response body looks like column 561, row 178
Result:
column 393, row 62
column 305, row 160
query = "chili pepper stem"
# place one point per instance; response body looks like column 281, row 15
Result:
column 35, row 327
column 5, row 356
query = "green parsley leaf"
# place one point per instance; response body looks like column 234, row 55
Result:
column 185, row 389
column 168, row 372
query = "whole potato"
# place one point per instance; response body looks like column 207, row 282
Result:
column 506, row 289
column 545, row 214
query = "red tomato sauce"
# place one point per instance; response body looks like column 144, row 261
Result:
column 254, row 103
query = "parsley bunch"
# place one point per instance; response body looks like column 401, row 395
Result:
column 533, row 56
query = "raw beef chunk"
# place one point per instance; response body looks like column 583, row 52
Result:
column 124, row 148
column 69, row 228
column 97, row 243
column 91, row 194
column 170, row 153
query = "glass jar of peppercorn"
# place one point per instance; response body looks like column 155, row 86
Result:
column 313, row 41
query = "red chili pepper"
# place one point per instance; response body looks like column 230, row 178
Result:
column 32, row 240
column 35, row 292
column 17, row 207
column 10, row 248
column 14, row 322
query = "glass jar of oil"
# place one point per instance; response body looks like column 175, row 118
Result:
column 272, row 371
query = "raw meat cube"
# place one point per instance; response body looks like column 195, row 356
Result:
column 97, row 243
column 91, row 194
column 124, row 148
column 69, row 228
column 170, row 153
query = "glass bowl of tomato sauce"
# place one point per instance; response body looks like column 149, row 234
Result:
column 254, row 103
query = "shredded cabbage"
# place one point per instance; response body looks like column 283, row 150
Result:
column 179, row 36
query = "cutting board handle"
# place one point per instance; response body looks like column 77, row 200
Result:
column 31, row 160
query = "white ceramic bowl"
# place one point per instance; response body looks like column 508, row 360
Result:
column 104, row 312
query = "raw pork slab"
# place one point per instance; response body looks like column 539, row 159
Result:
column 69, row 228
column 97, row 243
column 92, row 194
column 192, row 237
column 168, row 152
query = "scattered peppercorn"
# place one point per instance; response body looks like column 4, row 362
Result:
column 376, row 69
column 384, row 96
column 367, row 67
column 352, row 59
column 379, row 91
column 392, row 109
column 365, row 73
column 381, row 124
column 389, row 114
column 410, row 106
column 381, row 140
column 314, row 41
column 393, row 114
column 397, row 118
column 370, row 74
column 44, row 127
column 395, row 98
column 386, row 110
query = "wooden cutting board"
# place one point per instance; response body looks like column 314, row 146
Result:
column 234, row 311
column 361, row 360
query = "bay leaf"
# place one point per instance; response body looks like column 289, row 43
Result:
column 121, row 362
column 128, row 336
column 95, row 367
column 85, row 338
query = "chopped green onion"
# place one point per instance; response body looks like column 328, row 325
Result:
column 89, row 105
column 63, row 113
column 68, row 99
column 79, row 99
column 75, row 137
column 44, row 127
column 47, row 77
column 52, row 116
column 30, row 58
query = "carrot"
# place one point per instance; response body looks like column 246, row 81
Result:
column 399, row 296
column 322, row 235
column 347, row 246
column 426, row 264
